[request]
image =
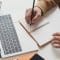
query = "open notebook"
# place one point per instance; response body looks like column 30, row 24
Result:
column 42, row 32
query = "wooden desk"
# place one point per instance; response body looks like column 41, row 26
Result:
column 21, row 57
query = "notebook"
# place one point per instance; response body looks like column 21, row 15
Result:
column 43, row 31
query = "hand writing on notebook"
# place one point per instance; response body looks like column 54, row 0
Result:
column 42, row 7
column 36, row 17
column 56, row 40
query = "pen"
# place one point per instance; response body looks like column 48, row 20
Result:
column 32, row 11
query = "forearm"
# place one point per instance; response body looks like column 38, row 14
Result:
column 45, row 5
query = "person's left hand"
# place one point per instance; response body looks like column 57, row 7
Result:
column 56, row 40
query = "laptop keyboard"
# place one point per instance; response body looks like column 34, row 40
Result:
column 8, row 36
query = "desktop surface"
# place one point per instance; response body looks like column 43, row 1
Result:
column 17, row 10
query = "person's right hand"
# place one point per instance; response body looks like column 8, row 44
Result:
column 36, row 17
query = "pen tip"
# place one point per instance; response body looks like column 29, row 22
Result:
column 30, row 24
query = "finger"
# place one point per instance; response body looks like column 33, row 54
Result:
column 28, row 16
column 28, row 13
column 55, row 42
column 56, row 45
column 27, row 20
column 36, row 18
column 35, row 21
column 28, row 10
column 57, row 37
column 56, row 34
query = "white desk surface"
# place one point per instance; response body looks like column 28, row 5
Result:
column 17, row 9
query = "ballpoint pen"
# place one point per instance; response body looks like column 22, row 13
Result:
column 32, row 13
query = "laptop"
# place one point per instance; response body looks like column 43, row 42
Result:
column 10, row 44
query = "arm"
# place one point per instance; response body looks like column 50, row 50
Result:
column 46, row 5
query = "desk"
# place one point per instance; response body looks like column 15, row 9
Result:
column 17, row 9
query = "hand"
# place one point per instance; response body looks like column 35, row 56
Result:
column 56, row 40
column 35, row 18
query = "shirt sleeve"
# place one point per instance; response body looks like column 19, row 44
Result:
column 45, row 5
column 57, row 2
